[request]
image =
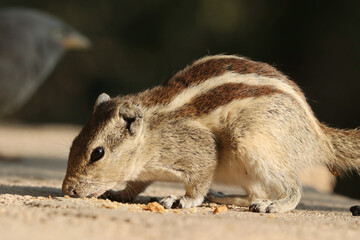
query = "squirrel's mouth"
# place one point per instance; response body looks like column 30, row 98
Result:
column 85, row 188
column 97, row 193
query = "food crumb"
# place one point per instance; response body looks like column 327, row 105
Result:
column 154, row 207
column 134, row 210
column 193, row 210
column 272, row 216
column 66, row 196
column 50, row 197
column 220, row 209
column 110, row 206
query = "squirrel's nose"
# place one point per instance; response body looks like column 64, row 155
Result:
column 69, row 190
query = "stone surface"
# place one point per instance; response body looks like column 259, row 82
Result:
column 33, row 207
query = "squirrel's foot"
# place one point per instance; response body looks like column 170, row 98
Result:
column 262, row 206
column 182, row 202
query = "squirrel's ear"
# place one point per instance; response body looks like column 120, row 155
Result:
column 133, row 117
column 101, row 99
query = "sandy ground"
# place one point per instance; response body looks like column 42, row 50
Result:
column 33, row 207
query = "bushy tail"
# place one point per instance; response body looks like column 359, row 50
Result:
column 345, row 146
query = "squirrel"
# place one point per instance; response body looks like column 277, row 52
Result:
column 223, row 119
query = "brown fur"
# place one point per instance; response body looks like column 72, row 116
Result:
column 221, row 96
column 347, row 149
column 200, row 72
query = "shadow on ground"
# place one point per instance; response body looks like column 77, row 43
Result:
column 303, row 206
column 32, row 191
column 56, row 192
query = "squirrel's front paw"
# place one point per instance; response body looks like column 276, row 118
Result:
column 187, row 202
column 169, row 202
column 262, row 206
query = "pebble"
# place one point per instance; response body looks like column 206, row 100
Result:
column 355, row 210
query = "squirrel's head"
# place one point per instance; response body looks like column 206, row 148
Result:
column 100, row 155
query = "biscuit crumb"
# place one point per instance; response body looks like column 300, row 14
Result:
column 135, row 208
column 220, row 209
column 193, row 210
column 110, row 206
column 272, row 216
column 154, row 207
column 66, row 196
column 50, row 197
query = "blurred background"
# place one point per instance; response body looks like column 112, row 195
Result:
column 139, row 44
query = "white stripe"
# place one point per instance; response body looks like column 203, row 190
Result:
column 252, row 79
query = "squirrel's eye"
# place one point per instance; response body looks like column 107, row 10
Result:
column 97, row 154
